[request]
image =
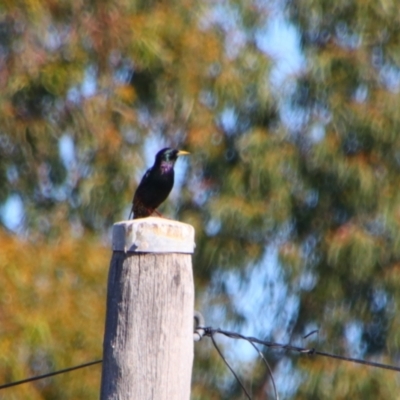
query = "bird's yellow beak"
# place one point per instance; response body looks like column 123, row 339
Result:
column 183, row 153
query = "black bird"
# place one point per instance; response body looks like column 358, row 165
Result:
column 156, row 183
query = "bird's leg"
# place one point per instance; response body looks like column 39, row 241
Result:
column 160, row 215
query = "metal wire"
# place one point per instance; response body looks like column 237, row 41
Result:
column 62, row 371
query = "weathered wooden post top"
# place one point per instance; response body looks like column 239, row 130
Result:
column 148, row 340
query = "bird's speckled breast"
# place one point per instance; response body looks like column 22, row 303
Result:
column 166, row 167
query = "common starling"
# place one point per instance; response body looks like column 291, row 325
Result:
column 156, row 183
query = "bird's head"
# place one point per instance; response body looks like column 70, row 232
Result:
column 169, row 155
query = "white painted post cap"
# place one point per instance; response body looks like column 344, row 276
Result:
column 153, row 235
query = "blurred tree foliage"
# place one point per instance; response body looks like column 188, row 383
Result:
column 86, row 85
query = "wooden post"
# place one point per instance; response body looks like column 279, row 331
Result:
column 148, row 340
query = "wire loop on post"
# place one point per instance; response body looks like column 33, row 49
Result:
column 199, row 330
